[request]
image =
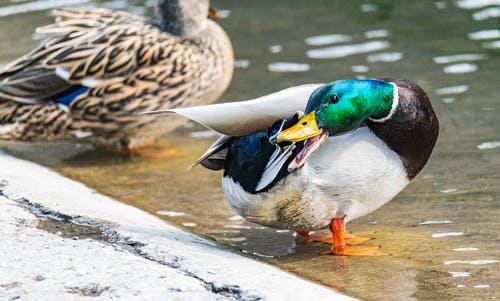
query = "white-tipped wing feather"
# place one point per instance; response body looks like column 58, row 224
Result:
column 246, row 117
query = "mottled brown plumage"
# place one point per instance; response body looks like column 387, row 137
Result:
column 128, row 64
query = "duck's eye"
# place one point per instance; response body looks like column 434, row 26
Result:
column 334, row 98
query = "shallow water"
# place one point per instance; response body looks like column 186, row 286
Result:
column 442, row 230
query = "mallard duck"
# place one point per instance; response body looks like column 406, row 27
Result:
column 356, row 146
column 100, row 68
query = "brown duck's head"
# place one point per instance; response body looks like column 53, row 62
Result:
column 183, row 17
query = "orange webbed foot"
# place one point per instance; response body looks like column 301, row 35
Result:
column 155, row 153
column 147, row 150
column 353, row 240
column 340, row 242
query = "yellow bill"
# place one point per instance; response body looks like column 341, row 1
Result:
column 213, row 14
column 304, row 129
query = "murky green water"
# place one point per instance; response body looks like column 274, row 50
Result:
column 459, row 187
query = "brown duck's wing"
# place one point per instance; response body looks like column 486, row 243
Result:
column 32, row 85
column 87, row 46
column 114, row 104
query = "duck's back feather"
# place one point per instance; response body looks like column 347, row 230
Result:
column 93, row 45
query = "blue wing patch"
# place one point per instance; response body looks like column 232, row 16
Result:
column 67, row 98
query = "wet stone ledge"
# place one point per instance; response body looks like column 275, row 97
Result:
column 64, row 241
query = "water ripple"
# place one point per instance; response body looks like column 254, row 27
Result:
column 275, row 48
column 384, row 57
column 37, row 6
column 360, row 68
column 452, row 90
column 204, row 134
column 484, row 34
column 439, row 235
column 224, row 13
column 368, row 7
column 488, row 13
column 346, row 50
column 262, row 255
column 243, row 64
column 460, row 274
column 491, row 45
column 473, row 4
column 472, row 262
column 237, row 227
column 465, row 249
column 328, row 39
column 489, row 145
column 288, row 67
column 377, row 33
column 170, row 213
column 440, row 4
column 446, row 59
column 460, row 68
column 435, row 222
column 482, row 286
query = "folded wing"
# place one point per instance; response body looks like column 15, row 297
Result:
column 246, row 117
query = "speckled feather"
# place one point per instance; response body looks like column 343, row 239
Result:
column 129, row 66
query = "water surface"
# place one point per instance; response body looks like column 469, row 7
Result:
column 442, row 230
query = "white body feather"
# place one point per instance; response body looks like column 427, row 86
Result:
column 351, row 175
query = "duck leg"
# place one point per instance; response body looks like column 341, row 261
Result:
column 339, row 246
column 350, row 240
column 146, row 150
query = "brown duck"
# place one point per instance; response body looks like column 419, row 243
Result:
column 100, row 68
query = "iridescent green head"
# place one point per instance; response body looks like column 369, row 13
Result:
column 341, row 106
column 335, row 108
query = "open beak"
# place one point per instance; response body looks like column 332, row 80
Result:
column 305, row 128
column 213, row 14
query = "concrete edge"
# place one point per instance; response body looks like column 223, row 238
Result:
column 142, row 247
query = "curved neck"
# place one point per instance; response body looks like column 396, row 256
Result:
column 183, row 18
column 412, row 129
